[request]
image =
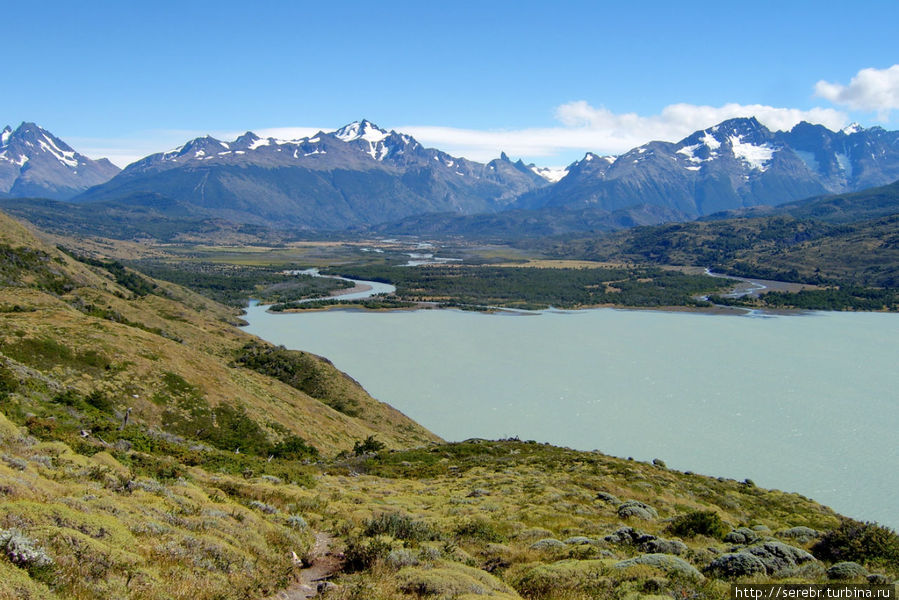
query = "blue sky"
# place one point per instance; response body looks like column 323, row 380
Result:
column 542, row 81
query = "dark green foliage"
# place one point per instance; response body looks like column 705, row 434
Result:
column 129, row 280
column 536, row 288
column 40, row 268
column 8, row 381
column 293, row 447
column 401, row 527
column 480, row 529
column 69, row 398
column 370, row 444
column 225, row 427
column 235, row 285
column 45, row 353
column 362, row 553
column 859, row 542
column 700, row 522
column 297, row 369
column 370, row 304
column 116, row 317
column 842, row 298
column 177, row 385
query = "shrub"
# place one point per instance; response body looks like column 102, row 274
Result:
column 98, row 400
column 700, row 522
column 401, row 527
column 369, row 445
column 293, row 447
column 8, row 381
column 859, row 542
column 363, row 554
column 480, row 529
column 23, row 551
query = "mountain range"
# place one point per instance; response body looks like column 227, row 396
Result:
column 33, row 162
column 736, row 164
column 357, row 175
column 362, row 176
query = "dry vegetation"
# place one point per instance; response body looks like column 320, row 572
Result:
column 149, row 449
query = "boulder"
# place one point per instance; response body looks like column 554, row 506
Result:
column 803, row 535
column 629, row 535
column 637, row 510
column 846, row 570
column 742, row 535
column 663, row 546
column 608, row 498
column 777, row 556
column 548, row 544
column 579, row 540
column 736, row 564
column 666, row 562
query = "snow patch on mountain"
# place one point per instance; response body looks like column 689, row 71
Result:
column 361, row 130
column 845, row 163
column 551, row 174
column 757, row 157
column 709, row 140
column 65, row 157
column 809, row 159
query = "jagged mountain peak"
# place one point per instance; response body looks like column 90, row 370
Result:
column 852, row 128
column 34, row 162
column 364, row 129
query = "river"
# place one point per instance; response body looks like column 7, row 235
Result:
column 801, row 403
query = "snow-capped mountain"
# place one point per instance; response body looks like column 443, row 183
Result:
column 357, row 175
column 33, row 162
column 737, row 163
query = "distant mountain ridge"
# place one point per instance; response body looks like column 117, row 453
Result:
column 361, row 176
column 33, row 162
column 738, row 163
column 357, row 175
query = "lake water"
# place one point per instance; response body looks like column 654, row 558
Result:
column 805, row 403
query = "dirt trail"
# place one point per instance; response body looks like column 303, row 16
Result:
column 325, row 563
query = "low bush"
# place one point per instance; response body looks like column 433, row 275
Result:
column 401, row 527
column 700, row 522
column 859, row 542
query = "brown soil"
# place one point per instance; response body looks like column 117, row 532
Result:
column 325, row 564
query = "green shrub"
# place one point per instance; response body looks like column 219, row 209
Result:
column 859, row 542
column 369, row 445
column 401, row 527
column 362, row 554
column 8, row 381
column 700, row 522
column 98, row 400
column 480, row 529
column 293, row 447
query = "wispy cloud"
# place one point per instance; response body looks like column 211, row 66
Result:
column 581, row 128
column 874, row 90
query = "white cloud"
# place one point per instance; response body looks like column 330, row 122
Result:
column 582, row 128
column 585, row 128
column 870, row 90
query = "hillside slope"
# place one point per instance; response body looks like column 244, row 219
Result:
column 150, row 450
column 131, row 344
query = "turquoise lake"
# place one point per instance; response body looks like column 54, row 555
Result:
column 805, row 403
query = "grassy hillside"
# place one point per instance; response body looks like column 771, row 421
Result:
column 149, row 449
column 850, row 239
